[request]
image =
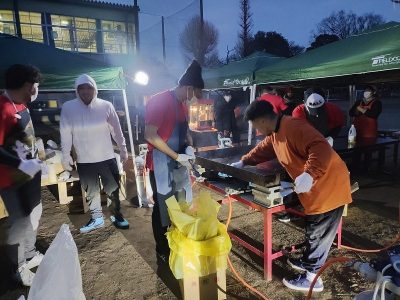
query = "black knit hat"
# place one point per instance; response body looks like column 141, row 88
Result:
column 192, row 76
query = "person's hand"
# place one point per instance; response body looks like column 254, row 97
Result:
column 303, row 183
column 67, row 163
column 183, row 159
column 361, row 110
column 238, row 164
column 190, row 151
column 123, row 156
column 30, row 166
column 329, row 139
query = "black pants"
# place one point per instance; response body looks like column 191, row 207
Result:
column 320, row 232
column 158, row 230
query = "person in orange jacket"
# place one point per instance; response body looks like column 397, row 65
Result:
column 365, row 113
column 326, row 117
column 321, row 179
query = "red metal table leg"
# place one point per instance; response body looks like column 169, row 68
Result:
column 267, row 244
column 339, row 234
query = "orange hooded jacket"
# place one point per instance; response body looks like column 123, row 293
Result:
column 300, row 148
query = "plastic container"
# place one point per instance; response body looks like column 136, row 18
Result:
column 352, row 136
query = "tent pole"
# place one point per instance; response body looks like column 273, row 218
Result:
column 128, row 119
column 352, row 100
column 252, row 98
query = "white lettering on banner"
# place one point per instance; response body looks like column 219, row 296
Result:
column 233, row 82
column 385, row 59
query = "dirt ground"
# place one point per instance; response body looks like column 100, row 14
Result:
column 121, row 264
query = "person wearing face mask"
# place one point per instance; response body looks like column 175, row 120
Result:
column 326, row 117
column 365, row 113
column 89, row 124
column 225, row 120
column 20, row 171
column 169, row 155
column 290, row 101
column 321, row 181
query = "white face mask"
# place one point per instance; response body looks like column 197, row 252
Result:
column 367, row 95
column 227, row 98
column 35, row 95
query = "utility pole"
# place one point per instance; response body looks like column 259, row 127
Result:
column 201, row 29
column 17, row 20
column 136, row 16
column 163, row 38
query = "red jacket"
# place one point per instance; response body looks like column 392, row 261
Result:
column 277, row 102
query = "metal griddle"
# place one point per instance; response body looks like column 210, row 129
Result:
column 268, row 174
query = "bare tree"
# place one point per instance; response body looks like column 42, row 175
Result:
column 295, row 49
column 196, row 46
column 344, row 24
column 243, row 46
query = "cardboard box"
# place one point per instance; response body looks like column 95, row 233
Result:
column 211, row 287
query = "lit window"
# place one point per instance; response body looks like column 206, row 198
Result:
column 74, row 34
column 7, row 23
column 115, row 38
column 131, row 37
column 31, row 26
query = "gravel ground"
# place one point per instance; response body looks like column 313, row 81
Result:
column 121, row 264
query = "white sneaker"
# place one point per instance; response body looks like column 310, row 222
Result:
column 34, row 261
column 25, row 275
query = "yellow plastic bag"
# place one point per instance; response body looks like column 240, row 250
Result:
column 199, row 243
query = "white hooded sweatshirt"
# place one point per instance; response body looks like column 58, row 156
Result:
column 89, row 128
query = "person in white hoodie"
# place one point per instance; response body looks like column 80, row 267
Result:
column 88, row 124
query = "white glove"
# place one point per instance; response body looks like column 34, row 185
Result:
column 238, row 164
column 67, row 163
column 303, row 183
column 183, row 159
column 190, row 151
column 329, row 139
column 30, row 167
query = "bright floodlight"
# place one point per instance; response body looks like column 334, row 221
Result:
column 141, row 78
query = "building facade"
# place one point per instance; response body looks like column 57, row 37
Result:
column 95, row 28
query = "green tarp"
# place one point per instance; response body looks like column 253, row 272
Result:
column 59, row 68
column 238, row 73
column 376, row 50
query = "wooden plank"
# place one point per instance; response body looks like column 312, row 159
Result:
column 3, row 210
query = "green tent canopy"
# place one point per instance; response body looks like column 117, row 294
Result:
column 59, row 68
column 238, row 73
column 372, row 53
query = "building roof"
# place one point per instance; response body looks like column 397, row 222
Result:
column 126, row 3
column 120, row 4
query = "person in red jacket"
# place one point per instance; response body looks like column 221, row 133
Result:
column 365, row 113
column 269, row 95
column 278, row 103
column 326, row 117
column 20, row 172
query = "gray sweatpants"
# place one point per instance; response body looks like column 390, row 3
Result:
column 24, row 209
column 90, row 175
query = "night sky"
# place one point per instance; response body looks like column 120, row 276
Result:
column 294, row 19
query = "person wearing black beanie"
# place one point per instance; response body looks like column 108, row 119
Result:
column 170, row 150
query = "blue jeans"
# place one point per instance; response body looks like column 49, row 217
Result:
column 320, row 232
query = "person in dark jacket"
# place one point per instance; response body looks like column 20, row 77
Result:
column 225, row 120
column 326, row 117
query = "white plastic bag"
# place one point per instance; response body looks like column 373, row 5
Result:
column 59, row 273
